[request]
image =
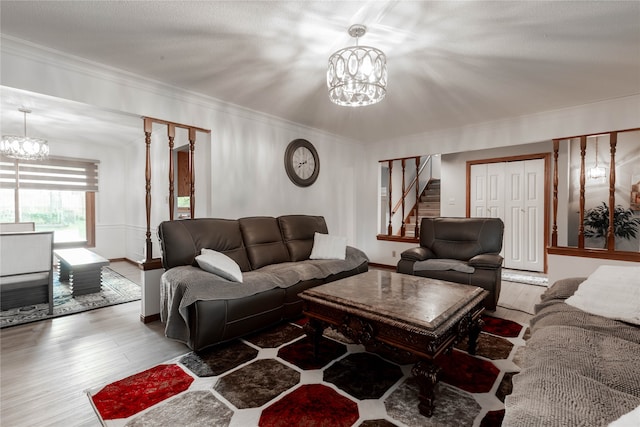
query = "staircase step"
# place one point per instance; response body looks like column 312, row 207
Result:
column 424, row 205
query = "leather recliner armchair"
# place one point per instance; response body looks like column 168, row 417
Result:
column 461, row 250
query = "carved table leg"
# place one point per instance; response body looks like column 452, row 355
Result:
column 426, row 374
column 314, row 329
column 474, row 332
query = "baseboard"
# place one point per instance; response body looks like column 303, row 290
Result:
column 382, row 266
column 149, row 319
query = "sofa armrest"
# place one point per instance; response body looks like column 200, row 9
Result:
column 487, row 261
column 417, row 254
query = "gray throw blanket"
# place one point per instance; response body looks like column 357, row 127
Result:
column 184, row 285
column 443, row 264
column 579, row 369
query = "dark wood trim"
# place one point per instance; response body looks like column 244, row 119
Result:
column 171, row 134
column 178, row 125
column 403, row 239
column 382, row 266
column 153, row 264
column 149, row 319
column 554, row 232
column 598, row 133
column 416, row 230
column 400, row 158
column 404, row 192
column 390, row 226
column 583, row 151
column 148, row 125
column 611, row 237
column 595, row 253
column 192, row 172
column 90, row 217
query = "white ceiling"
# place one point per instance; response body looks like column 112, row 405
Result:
column 451, row 63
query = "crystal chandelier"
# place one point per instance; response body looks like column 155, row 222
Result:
column 357, row 75
column 24, row 147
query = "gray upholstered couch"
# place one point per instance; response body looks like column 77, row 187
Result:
column 461, row 250
column 202, row 309
column 579, row 369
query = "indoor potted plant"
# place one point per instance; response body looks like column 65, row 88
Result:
column 596, row 222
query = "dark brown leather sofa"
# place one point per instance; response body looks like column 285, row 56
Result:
column 266, row 249
column 472, row 242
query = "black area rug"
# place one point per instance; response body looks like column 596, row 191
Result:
column 116, row 289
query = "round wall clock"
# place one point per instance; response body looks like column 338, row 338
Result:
column 301, row 162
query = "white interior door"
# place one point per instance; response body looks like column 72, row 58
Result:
column 487, row 190
column 524, row 215
column 478, row 197
column 513, row 192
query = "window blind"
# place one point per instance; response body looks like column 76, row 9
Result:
column 49, row 174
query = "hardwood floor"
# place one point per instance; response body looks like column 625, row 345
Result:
column 46, row 366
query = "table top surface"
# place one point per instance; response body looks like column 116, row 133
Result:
column 80, row 257
column 419, row 301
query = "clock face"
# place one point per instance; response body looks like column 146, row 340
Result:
column 301, row 162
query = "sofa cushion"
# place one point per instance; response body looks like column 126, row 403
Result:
column 298, row 234
column 443, row 264
column 219, row 264
column 263, row 241
column 461, row 238
column 181, row 241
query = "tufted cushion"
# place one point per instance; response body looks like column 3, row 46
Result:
column 298, row 234
column 263, row 241
column 183, row 240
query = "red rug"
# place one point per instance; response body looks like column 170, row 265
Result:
column 270, row 379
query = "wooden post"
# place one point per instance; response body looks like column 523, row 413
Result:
column 390, row 227
column 417, row 229
column 148, row 124
column 611, row 237
column 192, row 174
column 554, row 232
column 402, row 226
column 583, row 150
column 171, row 131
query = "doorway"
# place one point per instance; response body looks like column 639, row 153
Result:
column 516, row 191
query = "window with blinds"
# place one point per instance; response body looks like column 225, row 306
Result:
column 49, row 174
column 56, row 194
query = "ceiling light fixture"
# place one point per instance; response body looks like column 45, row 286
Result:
column 597, row 172
column 24, row 147
column 357, row 75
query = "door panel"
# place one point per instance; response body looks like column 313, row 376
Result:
column 478, row 198
column 514, row 192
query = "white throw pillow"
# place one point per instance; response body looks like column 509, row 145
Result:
column 630, row 419
column 610, row 291
column 328, row 247
column 219, row 264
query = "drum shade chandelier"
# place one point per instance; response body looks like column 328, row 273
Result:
column 357, row 75
column 24, row 147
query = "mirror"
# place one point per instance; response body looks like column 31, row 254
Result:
column 597, row 174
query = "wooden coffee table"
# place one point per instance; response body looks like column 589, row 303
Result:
column 422, row 316
column 82, row 268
